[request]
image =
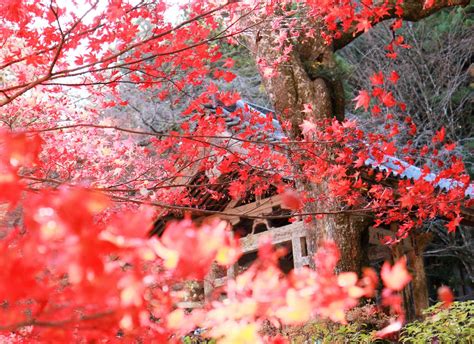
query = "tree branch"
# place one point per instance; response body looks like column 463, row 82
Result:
column 413, row 10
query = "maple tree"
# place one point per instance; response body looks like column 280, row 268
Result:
column 82, row 265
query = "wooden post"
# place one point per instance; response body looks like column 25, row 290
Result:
column 209, row 282
column 407, row 296
column 299, row 250
column 417, row 269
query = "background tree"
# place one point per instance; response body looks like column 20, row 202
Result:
column 435, row 97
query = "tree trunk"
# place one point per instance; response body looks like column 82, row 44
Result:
column 307, row 78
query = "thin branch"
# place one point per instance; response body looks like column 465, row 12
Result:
column 58, row 323
column 138, row 132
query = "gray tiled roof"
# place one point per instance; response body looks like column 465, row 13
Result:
column 404, row 170
column 391, row 164
column 235, row 124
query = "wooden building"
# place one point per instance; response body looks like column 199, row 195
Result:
column 254, row 217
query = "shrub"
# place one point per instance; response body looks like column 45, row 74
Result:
column 452, row 325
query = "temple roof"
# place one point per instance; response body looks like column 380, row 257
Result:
column 396, row 167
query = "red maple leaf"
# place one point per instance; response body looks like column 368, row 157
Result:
column 453, row 224
column 207, row 243
column 428, row 4
column 307, row 127
column 450, row 146
column 387, row 99
column 439, row 136
column 362, row 100
column 394, row 77
column 407, row 201
column 387, row 331
column 377, row 79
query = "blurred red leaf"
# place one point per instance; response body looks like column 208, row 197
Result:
column 395, row 277
column 389, row 330
column 291, row 199
column 189, row 251
column 445, row 295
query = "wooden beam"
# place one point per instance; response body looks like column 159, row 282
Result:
column 279, row 235
column 231, row 204
column 190, row 304
column 260, row 207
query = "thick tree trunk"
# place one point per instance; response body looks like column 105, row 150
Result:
column 348, row 232
column 299, row 81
